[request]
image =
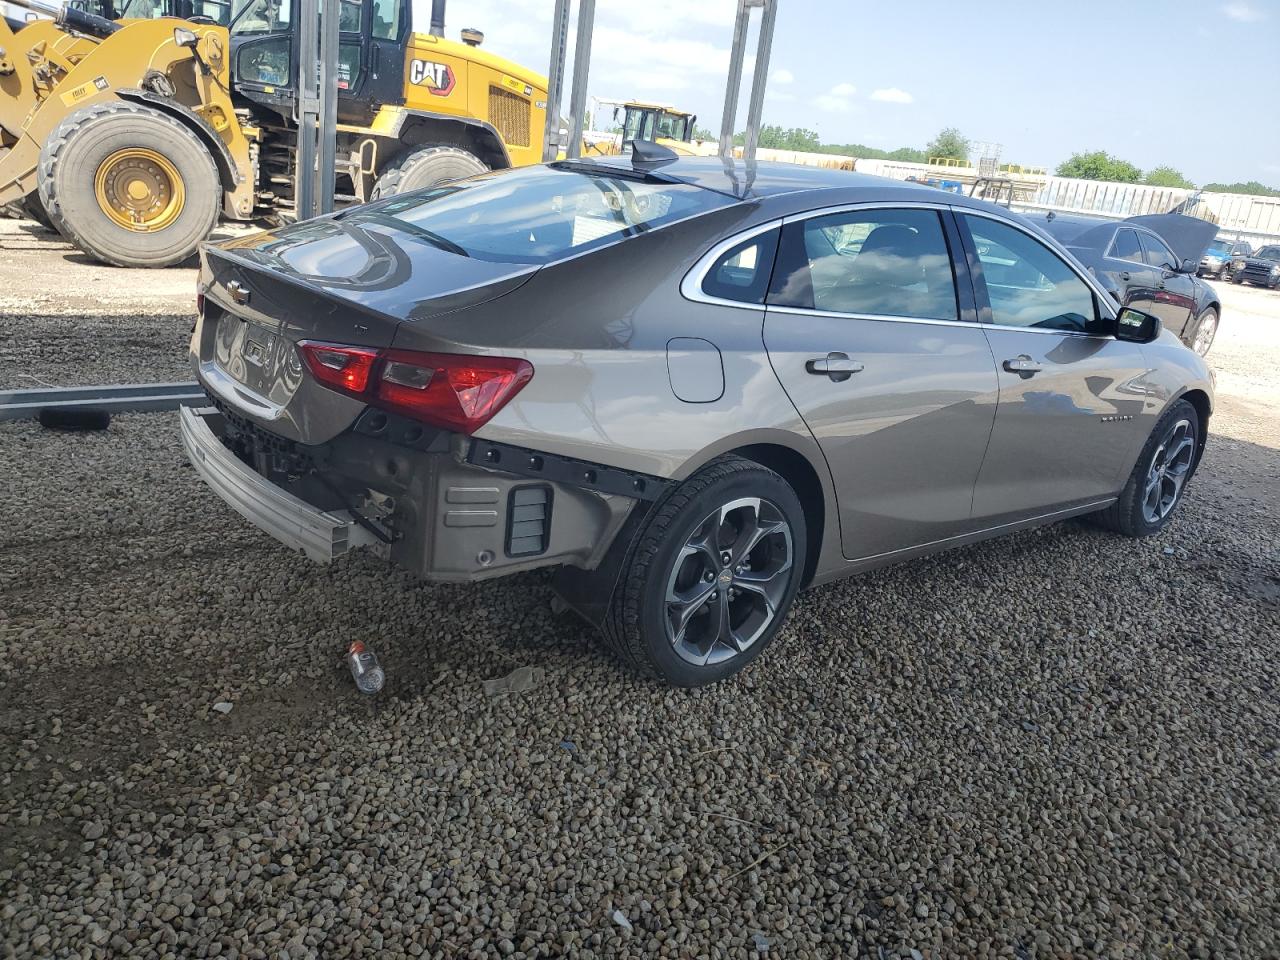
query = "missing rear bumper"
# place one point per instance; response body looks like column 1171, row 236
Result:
column 322, row 535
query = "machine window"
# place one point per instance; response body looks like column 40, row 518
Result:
column 743, row 273
column 265, row 61
column 892, row 263
column 1028, row 284
column 386, row 19
column 1126, row 246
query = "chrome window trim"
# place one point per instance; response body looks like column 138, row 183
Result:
column 691, row 285
column 802, row 312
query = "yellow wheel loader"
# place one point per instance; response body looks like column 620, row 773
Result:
column 139, row 143
column 660, row 123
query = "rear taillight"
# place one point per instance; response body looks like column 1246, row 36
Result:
column 449, row 390
column 343, row 368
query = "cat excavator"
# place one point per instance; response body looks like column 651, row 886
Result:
column 138, row 135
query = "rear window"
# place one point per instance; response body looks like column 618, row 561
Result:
column 542, row 213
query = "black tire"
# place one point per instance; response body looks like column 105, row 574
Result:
column 1127, row 515
column 35, row 210
column 77, row 149
column 1206, row 329
column 1238, row 278
column 639, row 622
column 426, row 167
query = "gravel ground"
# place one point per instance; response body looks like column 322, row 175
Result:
column 1057, row 744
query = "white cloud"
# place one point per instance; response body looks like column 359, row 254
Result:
column 892, row 95
column 1244, row 12
column 782, row 75
column 839, row 99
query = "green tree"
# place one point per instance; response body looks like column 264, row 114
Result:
column 702, row 133
column 1099, row 165
column 774, row 137
column 1251, row 187
column 950, row 144
column 1168, row 177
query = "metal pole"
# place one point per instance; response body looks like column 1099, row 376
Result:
column 760, row 77
column 555, row 80
column 308, row 110
column 581, row 67
column 327, row 134
column 730, row 115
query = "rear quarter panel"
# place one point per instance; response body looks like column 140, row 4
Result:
column 596, row 330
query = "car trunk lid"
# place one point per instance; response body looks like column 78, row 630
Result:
column 329, row 280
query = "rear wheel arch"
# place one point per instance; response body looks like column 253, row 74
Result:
column 795, row 468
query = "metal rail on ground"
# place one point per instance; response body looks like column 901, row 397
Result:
column 123, row 398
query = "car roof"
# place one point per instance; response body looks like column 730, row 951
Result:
column 770, row 179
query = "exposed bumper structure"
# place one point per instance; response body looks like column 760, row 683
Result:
column 321, row 535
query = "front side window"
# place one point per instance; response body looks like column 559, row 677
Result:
column 1157, row 254
column 639, row 125
column 742, row 273
column 890, row 263
column 538, row 214
column 1126, row 246
column 1028, row 285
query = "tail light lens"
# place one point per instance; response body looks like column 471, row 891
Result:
column 449, row 390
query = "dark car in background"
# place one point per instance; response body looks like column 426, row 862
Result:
column 1263, row 268
column 1136, row 261
column 1224, row 258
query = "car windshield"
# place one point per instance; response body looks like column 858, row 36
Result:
column 538, row 214
column 1219, row 246
column 1268, row 253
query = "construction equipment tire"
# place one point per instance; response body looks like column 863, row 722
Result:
column 129, row 185
column 426, row 167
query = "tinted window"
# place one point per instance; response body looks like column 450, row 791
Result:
column 1157, row 254
column 1126, row 246
column 891, row 263
column 743, row 273
column 537, row 214
column 1028, row 284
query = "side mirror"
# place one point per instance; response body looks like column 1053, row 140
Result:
column 1189, row 266
column 1136, row 327
column 185, row 38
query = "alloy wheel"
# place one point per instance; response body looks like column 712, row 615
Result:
column 1205, row 332
column 1170, row 467
column 728, row 581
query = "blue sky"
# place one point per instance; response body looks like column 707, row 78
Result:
column 1153, row 82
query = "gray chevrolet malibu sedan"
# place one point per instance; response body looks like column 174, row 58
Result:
column 691, row 387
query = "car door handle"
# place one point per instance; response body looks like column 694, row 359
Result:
column 1023, row 366
column 1125, row 276
column 835, row 365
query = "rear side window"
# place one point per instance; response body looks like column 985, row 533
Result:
column 890, row 263
column 742, row 274
column 1028, row 285
column 538, row 214
column 1126, row 246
